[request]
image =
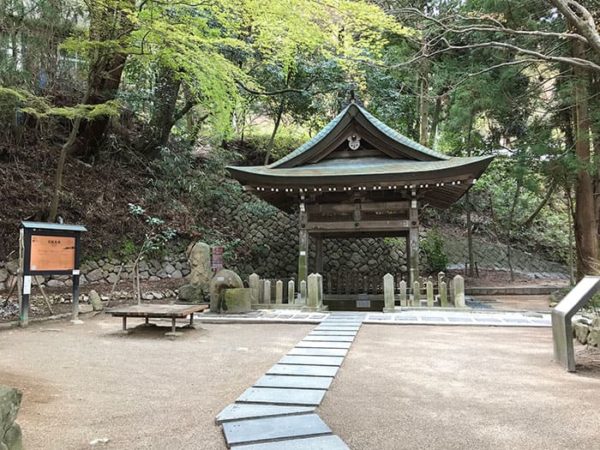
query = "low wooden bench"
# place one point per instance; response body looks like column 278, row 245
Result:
column 158, row 311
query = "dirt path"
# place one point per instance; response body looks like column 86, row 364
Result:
column 404, row 387
column 140, row 391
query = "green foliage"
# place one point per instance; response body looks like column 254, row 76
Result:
column 433, row 247
column 157, row 233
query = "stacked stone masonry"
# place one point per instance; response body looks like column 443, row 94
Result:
column 107, row 270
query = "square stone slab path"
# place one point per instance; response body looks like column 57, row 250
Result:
column 278, row 411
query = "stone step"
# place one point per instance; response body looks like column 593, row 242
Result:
column 313, row 360
column 272, row 429
column 282, row 396
column 332, row 333
column 335, row 328
column 327, row 442
column 323, row 344
column 294, row 382
column 237, row 411
column 318, row 352
column 329, row 338
column 309, row 371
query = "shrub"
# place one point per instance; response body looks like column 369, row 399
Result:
column 433, row 247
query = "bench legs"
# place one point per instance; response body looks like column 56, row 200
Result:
column 173, row 325
column 191, row 320
column 124, row 323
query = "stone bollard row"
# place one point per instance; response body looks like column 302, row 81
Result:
column 456, row 289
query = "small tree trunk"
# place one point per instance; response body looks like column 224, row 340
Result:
column 275, row 128
column 424, row 105
column 60, row 168
column 468, row 204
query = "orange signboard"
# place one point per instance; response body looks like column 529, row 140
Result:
column 52, row 253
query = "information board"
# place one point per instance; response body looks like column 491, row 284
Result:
column 52, row 253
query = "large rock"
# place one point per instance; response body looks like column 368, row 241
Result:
column 10, row 432
column 12, row 266
column 95, row 275
column 95, row 301
column 223, row 279
column 200, row 269
column 237, row 300
column 581, row 332
column 594, row 337
column 191, row 293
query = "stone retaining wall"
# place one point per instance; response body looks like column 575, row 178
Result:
column 106, row 270
column 268, row 244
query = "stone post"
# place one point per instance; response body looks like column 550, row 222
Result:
column 279, row 292
column 312, row 301
column 291, row 292
column 430, row 298
column 267, row 292
column 320, row 291
column 303, row 292
column 388, row 293
column 443, row 290
column 253, row 283
column 459, row 291
column 416, row 294
column 403, row 293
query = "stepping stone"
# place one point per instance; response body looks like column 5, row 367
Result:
column 282, row 396
column 237, row 411
column 335, row 328
column 274, row 428
column 352, row 322
column 318, row 351
column 294, row 382
column 322, row 344
column 309, row 371
column 328, row 442
column 332, row 333
column 313, row 360
column 330, row 338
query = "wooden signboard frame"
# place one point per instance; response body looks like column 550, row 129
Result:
column 48, row 249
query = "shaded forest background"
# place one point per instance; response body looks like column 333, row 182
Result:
column 123, row 114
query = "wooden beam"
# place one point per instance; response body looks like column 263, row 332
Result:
column 363, row 206
column 364, row 225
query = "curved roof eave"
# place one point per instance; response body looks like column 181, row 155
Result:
column 376, row 123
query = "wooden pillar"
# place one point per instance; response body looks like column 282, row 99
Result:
column 413, row 239
column 319, row 255
column 302, row 244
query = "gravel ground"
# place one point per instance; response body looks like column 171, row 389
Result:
column 516, row 302
column 86, row 382
column 406, row 387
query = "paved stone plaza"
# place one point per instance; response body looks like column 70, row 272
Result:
column 397, row 386
column 422, row 316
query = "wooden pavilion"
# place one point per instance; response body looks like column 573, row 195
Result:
column 359, row 178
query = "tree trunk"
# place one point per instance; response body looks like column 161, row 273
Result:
column 275, row 128
column 585, row 218
column 60, row 168
column 163, row 119
column 424, row 104
column 435, row 120
column 107, row 23
column 468, row 204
